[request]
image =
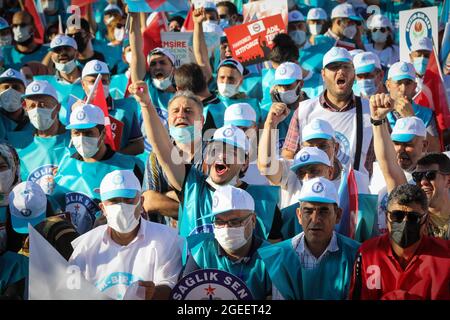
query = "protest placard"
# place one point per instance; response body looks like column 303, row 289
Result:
column 261, row 9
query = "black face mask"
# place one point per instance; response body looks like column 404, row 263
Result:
column 405, row 233
column 81, row 42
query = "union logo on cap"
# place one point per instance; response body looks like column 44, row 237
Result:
column 228, row 132
column 304, row 156
column 404, row 68
column 25, row 212
column 10, row 73
column 238, row 111
column 295, row 15
column 315, row 125
column 36, row 88
column 118, row 179
column 81, row 115
column 334, row 52
column 282, row 71
column 317, row 187
column 401, row 124
column 97, row 67
column 215, row 201
column 58, row 40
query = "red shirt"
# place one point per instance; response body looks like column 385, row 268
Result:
column 378, row 275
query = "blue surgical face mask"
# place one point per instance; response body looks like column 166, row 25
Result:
column 368, row 87
column 420, row 64
column 224, row 23
column 185, row 135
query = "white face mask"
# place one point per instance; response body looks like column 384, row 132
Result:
column 10, row 100
column 350, row 31
column 289, row 96
column 119, row 34
column 121, row 217
column 67, row 67
column 315, row 28
column 379, row 37
column 128, row 57
column 162, row 84
column 41, row 118
column 227, row 89
column 6, row 181
column 22, row 34
column 299, row 37
column 231, row 238
column 6, row 40
column 87, row 147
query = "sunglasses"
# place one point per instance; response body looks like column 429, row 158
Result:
column 382, row 29
column 429, row 175
column 399, row 216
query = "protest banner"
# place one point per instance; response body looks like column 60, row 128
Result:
column 261, row 9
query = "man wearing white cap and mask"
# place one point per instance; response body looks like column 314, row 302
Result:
column 124, row 110
column 128, row 252
column 297, row 29
column 420, row 55
column 79, row 174
column 317, row 255
column 369, row 74
column 401, row 86
column 227, row 161
column 316, row 21
column 233, row 246
column 41, row 152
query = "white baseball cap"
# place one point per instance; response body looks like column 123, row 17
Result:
column 379, row 21
column 316, row 14
column 336, row 54
column 94, row 67
column 317, row 129
column 85, row 117
column 119, row 183
column 232, row 135
column 232, row 62
column 240, row 114
column 424, row 43
column 406, row 129
column 344, row 10
column 40, row 87
column 229, row 198
column 287, row 73
column 165, row 52
column 28, row 204
column 61, row 40
column 295, row 16
column 319, row 190
column 11, row 74
column 402, row 70
column 354, row 52
column 309, row 155
column 366, row 62
column 111, row 8
column 3, row 24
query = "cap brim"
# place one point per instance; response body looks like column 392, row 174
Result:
column 401, row 77
column 402, row 137
column 25, row 96
column 338, row 60
column 240, row 123
column 122, row 193
column 62, row 45
column 230, row 142
column 317, row 136
column 21, row 225
column 81, row 126
column 284, row 82
column 297, row 166
column 7, row 79
column 356, row 18
column 316, row 199
column 366, row 69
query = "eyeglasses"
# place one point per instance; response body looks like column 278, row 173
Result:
column 233, row 223
column 382, row 29
column 429, row 175
column 399, row 216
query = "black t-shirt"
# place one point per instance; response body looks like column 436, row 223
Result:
column 97, row 56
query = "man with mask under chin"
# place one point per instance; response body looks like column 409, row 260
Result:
column 79, row 173
column 404, row 263
column 146, row 254
column 232, row 247
column 13, row 119
column 25, row 48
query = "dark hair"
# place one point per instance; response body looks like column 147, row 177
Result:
column 406, row 194
column 284, row 49
column 190, row 77
column 436, row 158
column 178, row 19
column 100, row 128
column 232, row 9
column 85, row 25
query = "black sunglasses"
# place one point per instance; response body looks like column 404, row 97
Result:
column 382, row 29
column 399, row 216
column 429, row 175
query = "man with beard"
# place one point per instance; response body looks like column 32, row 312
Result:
column 25, row 47
column 432, row 173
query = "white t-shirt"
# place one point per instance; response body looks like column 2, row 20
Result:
column 154, row 255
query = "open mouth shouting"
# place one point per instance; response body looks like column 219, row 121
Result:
column 341, row 83
column 221, row 168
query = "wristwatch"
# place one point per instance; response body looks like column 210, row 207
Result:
column 377, row 122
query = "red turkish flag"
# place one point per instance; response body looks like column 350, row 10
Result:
column 152, row 34
column 188, row 24
column 30, row 7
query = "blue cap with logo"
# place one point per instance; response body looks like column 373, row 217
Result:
column 317, row 129
column 308, row 156
column 12, row 75
column 85, row 117
column 287, row 73
column 336, row 54
column 240, row 114
column 40, row 88
column 402, row 70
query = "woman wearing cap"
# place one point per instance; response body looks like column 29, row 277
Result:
column 381, row 40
